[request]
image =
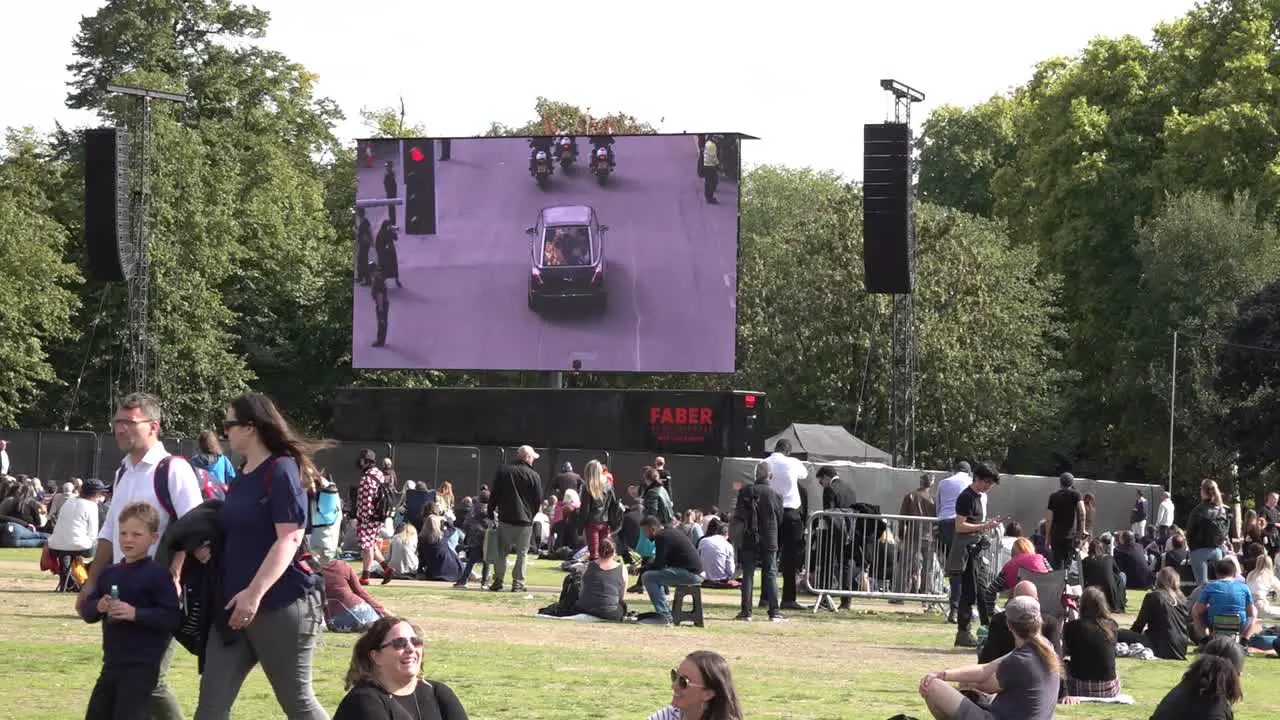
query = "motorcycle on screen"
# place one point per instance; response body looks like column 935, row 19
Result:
column 567, row 152
column 541, row 168
column 600, row 164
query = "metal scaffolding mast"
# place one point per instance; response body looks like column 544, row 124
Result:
column 136, row 258
column 902, row 412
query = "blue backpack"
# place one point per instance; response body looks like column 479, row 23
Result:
column 327, row 509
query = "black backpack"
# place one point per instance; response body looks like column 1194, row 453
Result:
column 386, row 501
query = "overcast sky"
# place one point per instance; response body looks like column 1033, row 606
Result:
column 803, row 80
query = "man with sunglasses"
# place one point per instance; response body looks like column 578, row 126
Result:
column 136, row 426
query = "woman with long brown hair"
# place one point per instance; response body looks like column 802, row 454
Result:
column 1089, row 645
column 272, row 604
column 384, row 679
column 702, row 689
column 1163, row 618
column 1024, row 682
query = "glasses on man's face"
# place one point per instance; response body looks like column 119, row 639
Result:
column 128, row 422
column 681, row 681
column 401, row 643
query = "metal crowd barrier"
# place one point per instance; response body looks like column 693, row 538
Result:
column 883, row 557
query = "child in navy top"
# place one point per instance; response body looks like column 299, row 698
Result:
column 139, row 602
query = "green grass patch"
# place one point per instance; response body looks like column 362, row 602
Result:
column 504, row 663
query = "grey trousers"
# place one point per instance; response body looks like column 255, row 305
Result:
column 163, row 705
column 283, row 641
column 508, row 535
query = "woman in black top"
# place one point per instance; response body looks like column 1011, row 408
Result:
column 1090, row 647
column 383, row 680
column 1100, row 571
column 1164, row 616
column 1209, row 687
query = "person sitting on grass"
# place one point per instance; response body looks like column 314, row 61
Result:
column 701, row 689
column 1163, row 618
column 384, row 683
column 1000, row 640
column 138, row 600
column 348, row 607
column 1024, row 682
column 1228, row 595
column 718, row 556
column 1089, row 644
column 1209, row 687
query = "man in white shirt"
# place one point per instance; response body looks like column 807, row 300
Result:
column 1164, row 517
column 76, row 530
column 137, row 430
column 787, row 474
column 717, row 555
column 4, row 457
column 948, row 490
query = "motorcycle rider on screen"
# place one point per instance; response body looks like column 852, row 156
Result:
column 539, row 144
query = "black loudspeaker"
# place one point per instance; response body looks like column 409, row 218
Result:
column 106, row 204
column 886, row 208
column 419, row 187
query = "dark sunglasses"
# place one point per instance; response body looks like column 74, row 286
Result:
column 682, row 682
column 401, row 643
column 228, row 424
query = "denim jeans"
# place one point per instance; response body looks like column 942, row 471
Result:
column 947, row 536
column 21, row 537
column 1200, row 560
column 353, row 619
column 656, row 582
column 768, row 562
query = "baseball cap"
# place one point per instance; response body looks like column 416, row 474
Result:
column 92, row 486
column 527, row 451
column 1022, row 610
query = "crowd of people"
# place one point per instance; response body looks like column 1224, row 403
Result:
column 252, row 576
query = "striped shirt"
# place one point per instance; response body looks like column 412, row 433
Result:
column 667, row 713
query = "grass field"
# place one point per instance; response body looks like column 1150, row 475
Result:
column 503, row 663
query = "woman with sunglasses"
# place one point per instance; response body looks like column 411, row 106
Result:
column 701, row 689
column 383, row 682
column 270, row 610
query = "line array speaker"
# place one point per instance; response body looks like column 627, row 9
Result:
column 106, row 204
column 886, row 208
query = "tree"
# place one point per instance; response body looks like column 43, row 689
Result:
column 821, row 346
column 1200, row 256
column 555, row 117
column 1248, row 379
column 37, row 301
column 961, row 150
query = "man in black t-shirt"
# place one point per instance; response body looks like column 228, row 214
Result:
column 1064, row 521
column 972, row 541
column 675, row 562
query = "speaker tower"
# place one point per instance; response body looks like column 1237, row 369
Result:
column 106, row 204
column 887, row 234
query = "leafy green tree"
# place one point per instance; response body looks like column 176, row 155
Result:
column 37, row 300
column 961, row 150
column 559, row 117
column 1200, row 256
column 1248, row 379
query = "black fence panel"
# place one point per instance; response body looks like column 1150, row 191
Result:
column 342, row 461
column 461, row 467
column 491, row 458
column 542, row 465
column 416, row 462
column 24, row 452
column 695, row 480
column 64, row 455
column 577, row 458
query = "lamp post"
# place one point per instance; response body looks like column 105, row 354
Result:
column 1173, row 396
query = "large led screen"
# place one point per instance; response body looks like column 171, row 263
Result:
column 595, row 254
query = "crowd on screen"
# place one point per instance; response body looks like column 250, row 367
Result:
column 246, row 566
